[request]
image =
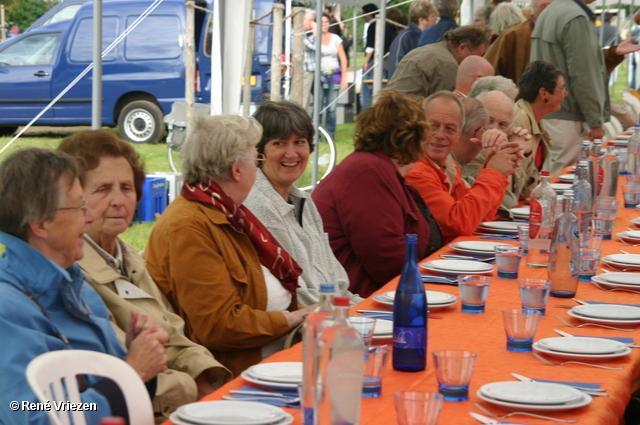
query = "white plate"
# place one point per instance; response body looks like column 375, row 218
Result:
column 541, row 393
column 433, row 297
column 384, row 328
column 566, row 177
column 460, row 266
column 586, row 399
column 560, row 187
column 611, row 322
column 625, row 259
column 608, row 311
column 572, row 169
column 520, row 211
column 227, row 412
column 581, row 345
column 287, row 372
column 621, row 277
column 633, row 235
column 573, row 356
column 286, row 420
column 636, row 221
column 502, row 225
column 269, row 384
column 432, row 307
column 485, row 248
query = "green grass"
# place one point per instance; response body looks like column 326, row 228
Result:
column 155, row 160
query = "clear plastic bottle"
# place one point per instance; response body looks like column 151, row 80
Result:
column 587, row 157
column 564, row 258
column 582, row 198
column 598, row 172
column 340, row 370
column 541, row 216
column 633, row 156
column 609, row 164
column 315, row 323
column 410, row 315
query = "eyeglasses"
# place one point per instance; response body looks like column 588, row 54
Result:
column 260, row 159
column 82, row 207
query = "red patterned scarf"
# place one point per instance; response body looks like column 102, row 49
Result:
column 271, row 254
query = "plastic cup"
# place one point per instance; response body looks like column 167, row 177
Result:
column 603, row 223
column 453, row 371
column 534, row 294
column 631, row 194
column 473, row 292
column 418, row 407
column 520, row 327
column 375, row 360
column 589, row 260
column 508, row 260
column 364, row 326
column 523, row 238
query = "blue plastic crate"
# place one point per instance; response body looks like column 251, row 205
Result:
column 154, row 199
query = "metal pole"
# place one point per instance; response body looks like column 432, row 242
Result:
column 96, row 82
column 602, row 24
column 3, row 25
column 288, row 24
column 190, row 67
column 276, row 52
column 353, row 59
column 215, row 83
column 248, row 64
column 297, row 80
column 379, row 52
column 317, row 96
column 472, row 12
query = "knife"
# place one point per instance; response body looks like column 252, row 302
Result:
column 490, row 421
column 585, row 389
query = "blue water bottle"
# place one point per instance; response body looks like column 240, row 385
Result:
column 410, row 315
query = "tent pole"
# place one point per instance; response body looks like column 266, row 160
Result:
column 317, row 95
column 96, row 82
column 379, row 52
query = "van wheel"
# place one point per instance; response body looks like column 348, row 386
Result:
column 141, row 122
column 7, row 131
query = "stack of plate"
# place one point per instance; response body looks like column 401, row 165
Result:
column 505, row 227
column 581, row 348
column 630, row 236
column 231, row 412
column 277, row 375
column 533, row 396
column 435, row 300
column 477, row 248
column 520, row 213
column 457, row 267
column 566, row 178
column 618, row 280
column 560, row 187
column 636, row 221
column 608, row 314
column 623, row 262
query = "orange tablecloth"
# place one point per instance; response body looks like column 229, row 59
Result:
column 484, row 334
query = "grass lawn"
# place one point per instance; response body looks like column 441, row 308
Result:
column 155, row 159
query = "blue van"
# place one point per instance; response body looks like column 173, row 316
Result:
column 142, row 77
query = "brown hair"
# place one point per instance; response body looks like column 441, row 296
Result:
column 421, row 9
column 88, row 147
column 470, row 34
column 280, row 119
column 395, row 124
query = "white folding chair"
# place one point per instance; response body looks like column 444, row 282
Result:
column 52, row 377
column 617, row 125
column 632, row 101
column 609, row 130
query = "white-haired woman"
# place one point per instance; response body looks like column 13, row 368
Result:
column 504, row 16
column 225, row 274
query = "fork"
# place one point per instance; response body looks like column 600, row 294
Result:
column 549, row 362
column 495, row 415
column 593, row 324
column 614, row 289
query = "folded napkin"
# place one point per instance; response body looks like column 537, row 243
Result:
column 378, row 315
column 615, row 338
column 586, row 385
column 599, row 302
column 274, row 401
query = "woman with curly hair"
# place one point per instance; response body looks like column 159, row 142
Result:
column 367, row 206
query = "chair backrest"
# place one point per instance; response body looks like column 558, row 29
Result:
column 632, row 101
column 609, row 130
column 616, row 124
column 52, row 377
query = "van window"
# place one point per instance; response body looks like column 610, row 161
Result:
column 82, row 42
column 157, row 37
column 32, row 50
column 63, row 14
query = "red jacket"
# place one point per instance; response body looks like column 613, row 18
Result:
column 461, row 210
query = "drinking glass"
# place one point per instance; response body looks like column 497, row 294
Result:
column 603, row 222
column 473, row 292
column 365, row 327
column 418, row 407
column 375, row 360
column 589, row 260
column 453, row 371
column 520, row 327
column 534, row 293
column 523, row 238
column 508, row 260
column 631, row 193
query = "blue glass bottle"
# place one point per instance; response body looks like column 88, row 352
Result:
column 410, row 315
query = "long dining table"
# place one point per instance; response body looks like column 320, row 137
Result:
column 484, row 334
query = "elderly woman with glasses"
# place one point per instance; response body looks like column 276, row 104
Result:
column 112, row 175
column 288, row 212
column 45, row 304
column 225, row 274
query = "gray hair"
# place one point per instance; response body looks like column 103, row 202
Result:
column 31, row 188
column 484, row 13
column 447, row 8
column 476, row 114
column 448, row 95
column 498, row 82
column 216, row 143
column 505, row 16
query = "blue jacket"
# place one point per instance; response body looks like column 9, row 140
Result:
column 434, row 34
column 405, row 41
column 26, row 332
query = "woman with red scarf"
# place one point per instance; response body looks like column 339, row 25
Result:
column 224, row 273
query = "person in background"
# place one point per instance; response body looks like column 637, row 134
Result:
column 221, row 269
column 448, row 12
column 286, row 211
column 397, row 21
column 482, row 19
column 371, row 20
column 505, row 16
column 45, row 305
column 527, row 12
column 422, row 15
column 607, row 33
column 498, row 83
column 471, row 69
column 309, row 66
column 458, row 208
column 366, row 205
column 112, row 175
